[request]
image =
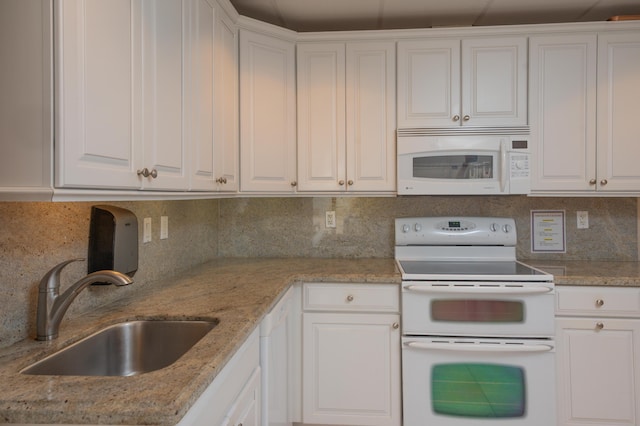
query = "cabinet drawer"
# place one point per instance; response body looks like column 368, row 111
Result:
column 351, row 297
column 604, row 301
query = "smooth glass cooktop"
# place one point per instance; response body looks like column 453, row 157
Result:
column 419, row 267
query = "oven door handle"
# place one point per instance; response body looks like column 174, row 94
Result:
column 474, row 347
column 478, row 290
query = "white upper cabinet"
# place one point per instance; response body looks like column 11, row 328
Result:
column 163, row 113
column 98, row 98
column 583, row 94
column 268, row 113
column 563, row 111
column 346, row 122
column 470, row 82
column 618, row 94
column 199, row 93
column 226, row 104
column 136, row 98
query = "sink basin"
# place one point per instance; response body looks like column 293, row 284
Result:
column 125, row 349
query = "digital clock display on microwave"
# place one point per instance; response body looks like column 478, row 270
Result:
column 455, row 224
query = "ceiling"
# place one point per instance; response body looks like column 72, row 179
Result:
column 334, row 15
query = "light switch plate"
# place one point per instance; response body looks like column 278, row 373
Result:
column 582, row 219
column 164, row 227
column 146, row 230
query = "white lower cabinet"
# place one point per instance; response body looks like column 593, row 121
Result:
column 598, row 347
column 233, row 397
column 351, row 354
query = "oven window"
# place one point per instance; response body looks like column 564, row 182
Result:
column 473, row 310
column 454, row 167
column 478, row 390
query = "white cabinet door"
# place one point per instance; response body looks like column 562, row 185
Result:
column 563, row 111
column 371, row 116
column 618, row 94
column 165, row 145
column 429, row 83
column 346, row 118
column 494, row 81
column 321, row 117
column 226, row 137
column 199, row 93
column 449, row 83
column 268, row 113
column 598, row 373
column 352, row 368
column 246, row 409
column 97, row 106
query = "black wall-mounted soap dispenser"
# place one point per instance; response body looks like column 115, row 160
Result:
column 113, row 240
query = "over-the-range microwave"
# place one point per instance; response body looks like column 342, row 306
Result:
column 463, row 165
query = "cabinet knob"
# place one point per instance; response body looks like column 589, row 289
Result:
column 294, row 183
column 395, row 326
column 456, row 118
column 221, row 180
column 466, row 118
column 599, row 326
column 349, row 298
column 341, row 182
column 599, row 303
column 604, row 182
column 592, row 182
column 349, row 182
column 146, row 173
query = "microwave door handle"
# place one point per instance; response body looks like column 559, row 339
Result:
column 478, row 290
column 503, row 165
column 475, row 347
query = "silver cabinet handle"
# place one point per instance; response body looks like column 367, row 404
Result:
column 466, row 118
column 146, row 173
column 294, row 183
column 349, row 298
column 221, row 180
column 599, row 326
column 456, row 118
column 341, row 182
column 599, row 303
column 395, row 326
column 604, row 182
column 349, row 182
column 592, row 182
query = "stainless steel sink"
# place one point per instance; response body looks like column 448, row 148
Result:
column 125, row 349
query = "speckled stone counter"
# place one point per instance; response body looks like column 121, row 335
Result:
column 592, row 273
column 238, row 292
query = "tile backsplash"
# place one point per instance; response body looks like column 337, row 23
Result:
column 36, row 236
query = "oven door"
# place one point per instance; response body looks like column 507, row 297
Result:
column 467, row 381
column 498, row 309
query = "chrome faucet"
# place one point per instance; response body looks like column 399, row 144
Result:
column 52, row 305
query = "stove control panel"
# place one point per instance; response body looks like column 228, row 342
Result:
column 438, row 231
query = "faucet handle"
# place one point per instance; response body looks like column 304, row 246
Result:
column 51, row 279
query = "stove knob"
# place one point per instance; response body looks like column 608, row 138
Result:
column 406, row 228
column 494, row 227
column 417, row 227
column 506, row 228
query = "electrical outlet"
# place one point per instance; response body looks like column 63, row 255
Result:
column 146, row 230
column 330, row 219
column 164, row 227
column 582, row 219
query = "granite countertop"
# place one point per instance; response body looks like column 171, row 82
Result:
column 591, row 273
column 237, row 292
